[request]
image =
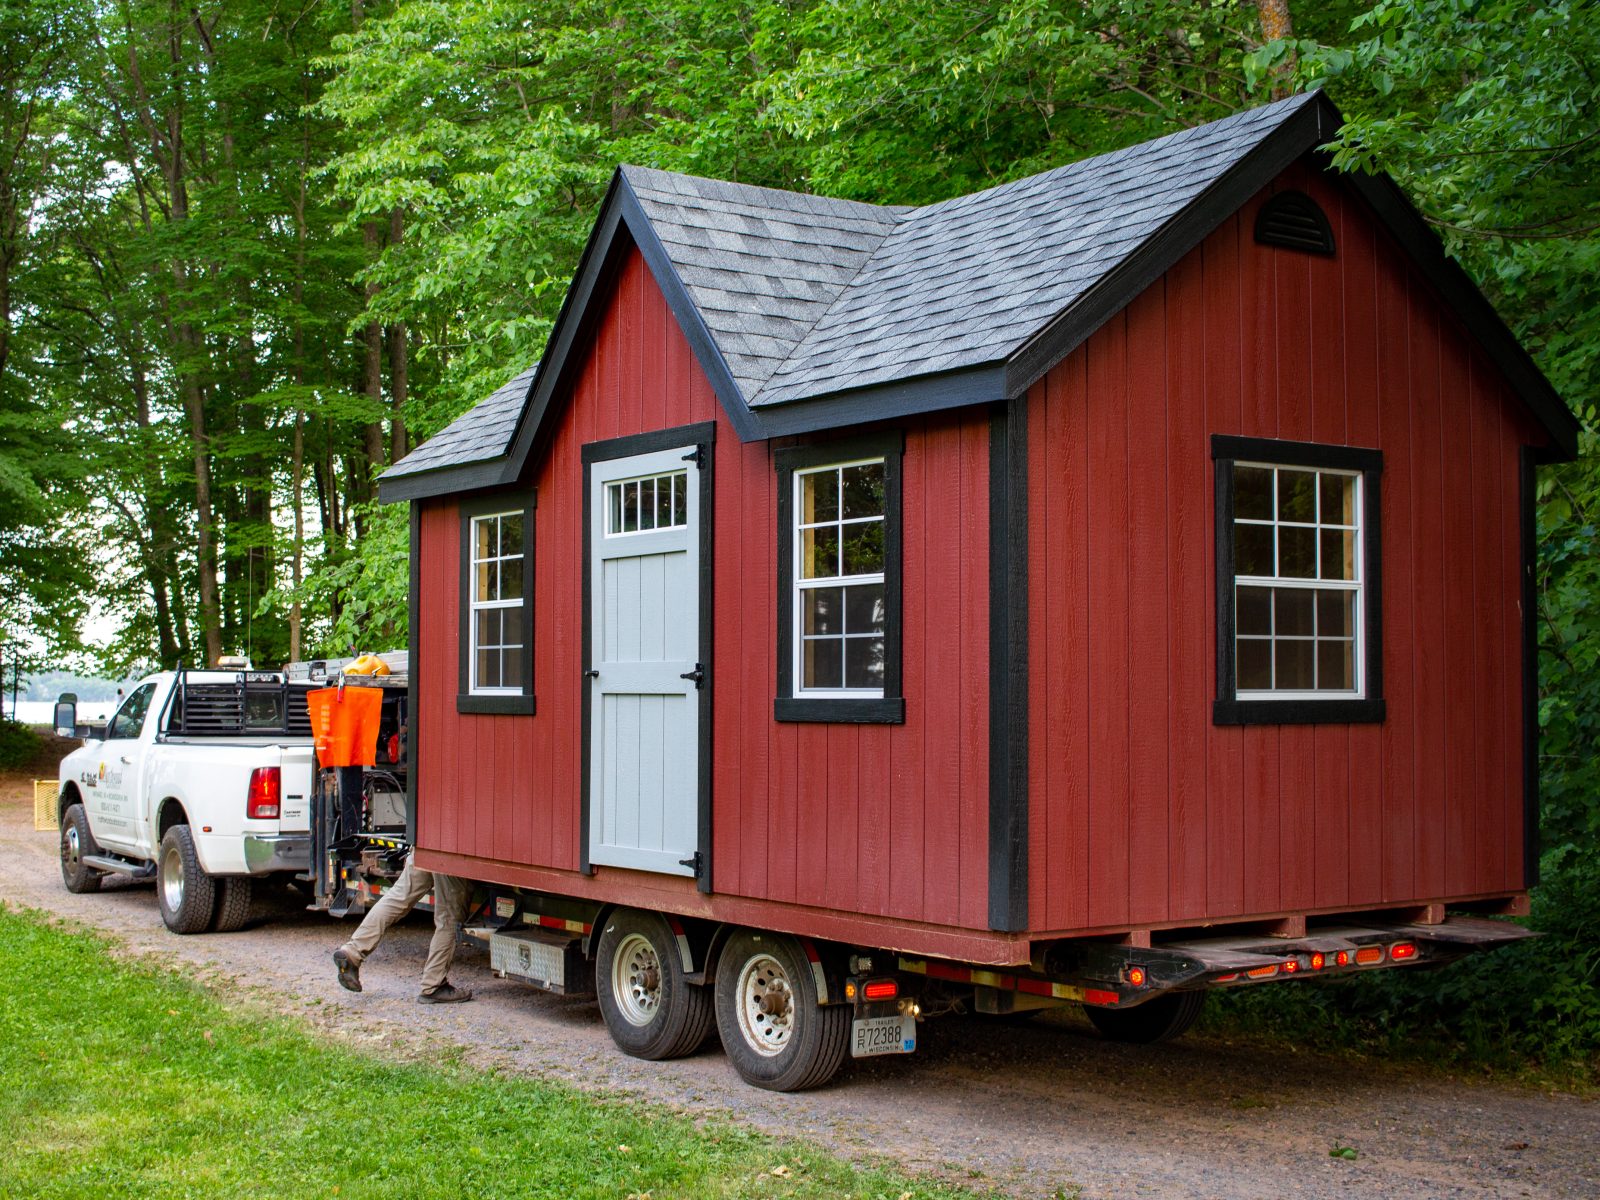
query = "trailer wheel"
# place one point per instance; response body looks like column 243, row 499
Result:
column 650, row 1009
column 234, row 895
column 776, row 1034
column 76, row 841
column 187, row 895
column 1159, row 1020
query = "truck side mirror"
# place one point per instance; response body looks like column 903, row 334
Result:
column 66, row 721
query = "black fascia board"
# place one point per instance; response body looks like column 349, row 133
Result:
column 885, row 401
column 1456, row 288
column 421, row 485
column 1312, row 125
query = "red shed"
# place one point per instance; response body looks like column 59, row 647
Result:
column 1135, row 547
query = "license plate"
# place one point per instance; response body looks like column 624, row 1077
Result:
column 872, row 1036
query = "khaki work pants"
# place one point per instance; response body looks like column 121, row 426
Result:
column 449, row 910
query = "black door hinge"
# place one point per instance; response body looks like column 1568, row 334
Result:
column 697, row 456
column 692, row 863
column 698, row 675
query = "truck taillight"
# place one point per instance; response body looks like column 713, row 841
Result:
column 266, row 787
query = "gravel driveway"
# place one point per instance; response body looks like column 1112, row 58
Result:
column 1043, row 1110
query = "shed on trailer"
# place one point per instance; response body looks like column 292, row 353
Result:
column 1138, row 546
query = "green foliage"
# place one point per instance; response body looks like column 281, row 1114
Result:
column 19, row 745
column 120, row 1078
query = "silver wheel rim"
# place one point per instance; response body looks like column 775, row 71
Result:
column 636, row 979
column 766, row 1005
column 70, row 849
column 172, row 878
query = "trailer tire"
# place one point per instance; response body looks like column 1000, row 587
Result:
column 1159, row 1020
column 187, row 895
column 76, row 841
column 650, row 1009
column 776, row 1034
column 234, row 895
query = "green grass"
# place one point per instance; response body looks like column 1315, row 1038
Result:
column 125, row 1079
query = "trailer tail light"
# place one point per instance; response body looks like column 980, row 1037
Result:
column 1368, row 955
column 1290, row 967
column 1342, row 958
column 1318, row 961
column 266, row 788
column 1136, row 976
column 1401, row 951
column 880, row 989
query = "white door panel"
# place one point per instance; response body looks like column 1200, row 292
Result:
column 644, row 546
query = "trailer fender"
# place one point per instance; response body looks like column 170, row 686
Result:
column 827, row 992
column 685, row 946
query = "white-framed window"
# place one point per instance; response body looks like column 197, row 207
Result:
column 648, row 504
column 1297, row 577
column 498, row 640
column 839, row 613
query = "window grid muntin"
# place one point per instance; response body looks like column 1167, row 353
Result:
column 1353, row 586
column 804, row 583
column 677, row 511
column 497, row 557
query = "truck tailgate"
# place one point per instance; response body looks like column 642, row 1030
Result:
column 295, row 814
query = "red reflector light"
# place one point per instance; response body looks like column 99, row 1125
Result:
column 1401, row 951
column 1368, row 955
column 880, row 989
column 394, row 747
column 1263, row 972
column 1318, row 961
column 1226, row 978
column 1096, row 996
column 1136, row 976
column 1342, row 958
column 266, row 786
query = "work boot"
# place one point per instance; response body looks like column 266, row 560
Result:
column 349, row 969
column 445, row 994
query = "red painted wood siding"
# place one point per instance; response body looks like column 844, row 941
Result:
column 882, row 820
column 1144, row 812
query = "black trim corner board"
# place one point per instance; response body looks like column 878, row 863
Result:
column 1008, row 666
column 1228, row 709
column 890, row 708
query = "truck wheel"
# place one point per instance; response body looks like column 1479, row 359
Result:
column 650, row 1009
column 776, row 1034
column 188, row 896
column 1159, row 1020
column 76, row 841
column 233, row 903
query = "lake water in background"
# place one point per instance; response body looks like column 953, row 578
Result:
column 42, row 712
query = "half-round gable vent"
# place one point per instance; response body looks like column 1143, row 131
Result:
column 1294, row 221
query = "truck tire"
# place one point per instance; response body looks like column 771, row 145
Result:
column 650, row 1009
column 187, row 895
column 776, row 1034
column 234, row 895
column 76, row 841
column 1159, row 1020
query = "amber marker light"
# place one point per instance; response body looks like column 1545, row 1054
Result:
column 1368, row 955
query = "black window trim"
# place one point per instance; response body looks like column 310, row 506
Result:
column 1228, row 709
column 508, row 703
column 890, row 708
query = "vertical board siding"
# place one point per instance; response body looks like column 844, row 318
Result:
column 1142, row 810
column 879, row 820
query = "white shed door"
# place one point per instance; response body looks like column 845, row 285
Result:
column 644, row 609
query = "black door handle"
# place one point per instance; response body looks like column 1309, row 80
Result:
column 592, row 673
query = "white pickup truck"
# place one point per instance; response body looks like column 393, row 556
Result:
column 200, row 780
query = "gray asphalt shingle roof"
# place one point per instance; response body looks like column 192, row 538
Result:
column 806, row 296
column 482, row 433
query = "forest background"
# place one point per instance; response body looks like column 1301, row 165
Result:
column 252, row 252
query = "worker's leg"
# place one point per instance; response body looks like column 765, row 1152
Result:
column 414, row 883
column 450, row 895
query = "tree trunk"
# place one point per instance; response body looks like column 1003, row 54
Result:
column 399, row 369
column 1275, row 27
